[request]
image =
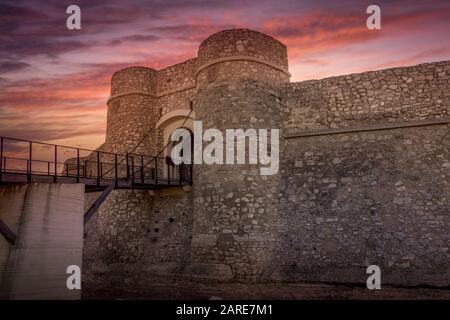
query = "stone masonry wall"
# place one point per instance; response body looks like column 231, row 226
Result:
column 235, row 208
column 177, row 77
column 360, row 198
column 176, row 86
column 233, row 55
column 132, row 110
column 175, row 101
column 340, row 209
column 131, row 79
column 229, row 43
column 340, row 202
column 232, row 72
column 134, row 230
column 129, row 118
column 352, row 200
column 393, row 95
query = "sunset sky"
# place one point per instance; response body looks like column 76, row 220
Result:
column 54, row 82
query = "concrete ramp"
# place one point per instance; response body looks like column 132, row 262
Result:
column 48, row 222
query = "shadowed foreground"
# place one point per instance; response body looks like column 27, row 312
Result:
column 185, row 289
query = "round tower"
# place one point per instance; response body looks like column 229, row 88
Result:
column 235, row 205
column 232, row 55
column 132, row 110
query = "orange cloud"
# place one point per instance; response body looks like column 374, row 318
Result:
column 323, row 39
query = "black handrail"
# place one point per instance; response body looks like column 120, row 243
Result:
column 80, row 167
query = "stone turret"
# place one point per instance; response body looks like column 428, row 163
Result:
column 132, row 109
column 232, row 55
column 245, row 67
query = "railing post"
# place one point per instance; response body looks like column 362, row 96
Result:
column 132, row 171
column 98, row 168
column 115, row 171
column 168, row 171
column 67, row 169
column 128, row 169
column 191, row 165
column 85, row 169
column 142, row 169
column 78, row 165
column 48, row 168
column 156, row 170
column 56, row 164
column 30, row 160
column 180, row 166
column 1, row 158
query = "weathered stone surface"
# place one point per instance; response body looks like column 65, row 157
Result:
column 209, row 271
column 339, row 203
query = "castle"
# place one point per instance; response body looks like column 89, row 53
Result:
column 364, row 174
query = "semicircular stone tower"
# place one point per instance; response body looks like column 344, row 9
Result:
column 235, row 207
column 232, row 55
column 132, row 110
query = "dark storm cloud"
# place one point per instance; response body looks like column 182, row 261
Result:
column 27, row 29
column 192, row 32
column 135, row 38
column 12, row 66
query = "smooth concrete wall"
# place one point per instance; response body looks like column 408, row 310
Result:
column 48, row 222
column 11, row 204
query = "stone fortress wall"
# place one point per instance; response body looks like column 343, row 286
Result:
column 392, row 95
column 364, row 174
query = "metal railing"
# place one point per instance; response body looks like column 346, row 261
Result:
column 33, row 161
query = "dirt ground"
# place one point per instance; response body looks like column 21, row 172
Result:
column 271, row 291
